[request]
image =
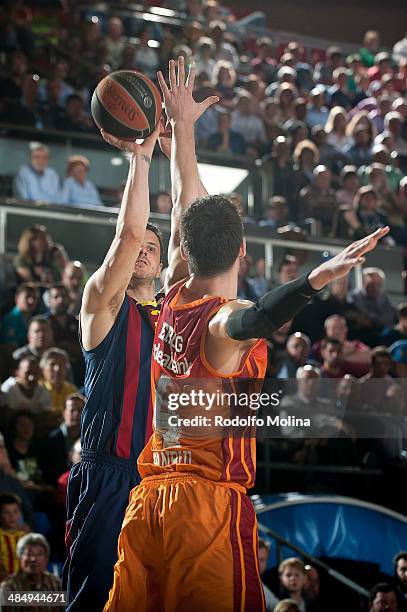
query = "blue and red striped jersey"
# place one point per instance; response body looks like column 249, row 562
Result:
column 117, row 418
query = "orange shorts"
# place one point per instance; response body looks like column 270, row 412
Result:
column 187, row 544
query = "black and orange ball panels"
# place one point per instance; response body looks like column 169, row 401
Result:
column 127, row 105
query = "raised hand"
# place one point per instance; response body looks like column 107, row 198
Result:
column 342, row 264
column 178, row 101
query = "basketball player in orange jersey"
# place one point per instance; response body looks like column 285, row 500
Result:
column 189, row 537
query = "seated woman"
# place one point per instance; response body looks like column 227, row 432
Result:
column 306, row 158
column 335, row 128
column 224, row 81
column 59, row 257
column 77, row 190
column 33, row 262
column 390, row 203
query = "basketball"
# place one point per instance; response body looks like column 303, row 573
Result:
column 127, row 105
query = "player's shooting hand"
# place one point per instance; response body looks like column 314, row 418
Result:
column 178, row 101
column 341, row 264
column 146, row 147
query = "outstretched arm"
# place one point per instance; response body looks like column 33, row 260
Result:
column 239, row 322
column 182, row 112
column 105, row 290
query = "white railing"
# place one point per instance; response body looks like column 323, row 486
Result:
column 106, row 217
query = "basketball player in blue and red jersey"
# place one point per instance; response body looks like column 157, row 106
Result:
column 189, row 537
column 118, row 316
column 117, row 321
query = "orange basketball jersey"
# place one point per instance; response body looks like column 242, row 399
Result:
column 179, row 365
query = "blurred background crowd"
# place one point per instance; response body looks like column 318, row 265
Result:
column 330, row 127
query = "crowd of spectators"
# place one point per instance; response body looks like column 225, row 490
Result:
column 345, row 354
column 332, row 127
column 334, row 133
column 341, row 362
column 299, row 587
column 41, row 378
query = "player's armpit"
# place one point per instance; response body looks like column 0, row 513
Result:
column 218, row 325
column 105, row 290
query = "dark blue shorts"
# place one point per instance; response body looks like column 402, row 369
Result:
column 98, row 495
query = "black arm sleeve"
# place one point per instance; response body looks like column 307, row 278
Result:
column 271, row 311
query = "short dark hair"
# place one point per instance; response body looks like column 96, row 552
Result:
column 9, row 498
column 73, row 397
column 19, row 414
column 153, row 228
column 402, row 555
column 26, row 287
column 380, row 351
column 29, row 358
column 38, row 319
column 381, row 587
column 326, row 341
column 211, row 235
column 58, row 287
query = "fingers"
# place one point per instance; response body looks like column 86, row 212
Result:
column 357, row 261
column 191, row 77
column 382, row 231
column 112, row 140
column 162, row 124
column 153, row 137
column 369, row 243
column 172, row 75
column 181, row 71
column 166, row 129
column 379, row 233
column 155, row 134
column 208, row 102
column 163, row 84
column 166, row 134
column 106, row 136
